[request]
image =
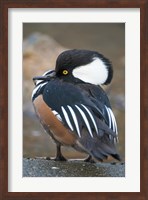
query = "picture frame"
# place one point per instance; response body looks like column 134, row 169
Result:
column 5, row 5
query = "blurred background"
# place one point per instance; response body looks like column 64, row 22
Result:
column 42, row 43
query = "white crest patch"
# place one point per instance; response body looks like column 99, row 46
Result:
column 95, row 72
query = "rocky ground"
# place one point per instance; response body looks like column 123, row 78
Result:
column 40, row 167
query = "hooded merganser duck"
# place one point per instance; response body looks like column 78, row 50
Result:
column 72, row 106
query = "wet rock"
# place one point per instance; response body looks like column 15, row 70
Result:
column 40, row 167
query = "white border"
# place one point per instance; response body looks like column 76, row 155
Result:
column 130, row 183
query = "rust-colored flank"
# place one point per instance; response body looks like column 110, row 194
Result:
column 59, row 132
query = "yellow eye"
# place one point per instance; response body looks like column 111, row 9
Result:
column 65, row 72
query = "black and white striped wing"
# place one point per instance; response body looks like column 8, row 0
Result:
column 79, row 116
column 100, row 99
column 111, row 119
column 72, row 106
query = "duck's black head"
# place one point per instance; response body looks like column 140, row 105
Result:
column 84, row 65
column 79, row 66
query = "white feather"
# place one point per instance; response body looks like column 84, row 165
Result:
column 108, row 117
column 85, row 120
column 113, row 120
column 67, row 118
column 75, row 120
column 57, row 115
column 38, row 87
column 39, row 81
column 92, row 118
column 47, row 72
column 95, row 72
